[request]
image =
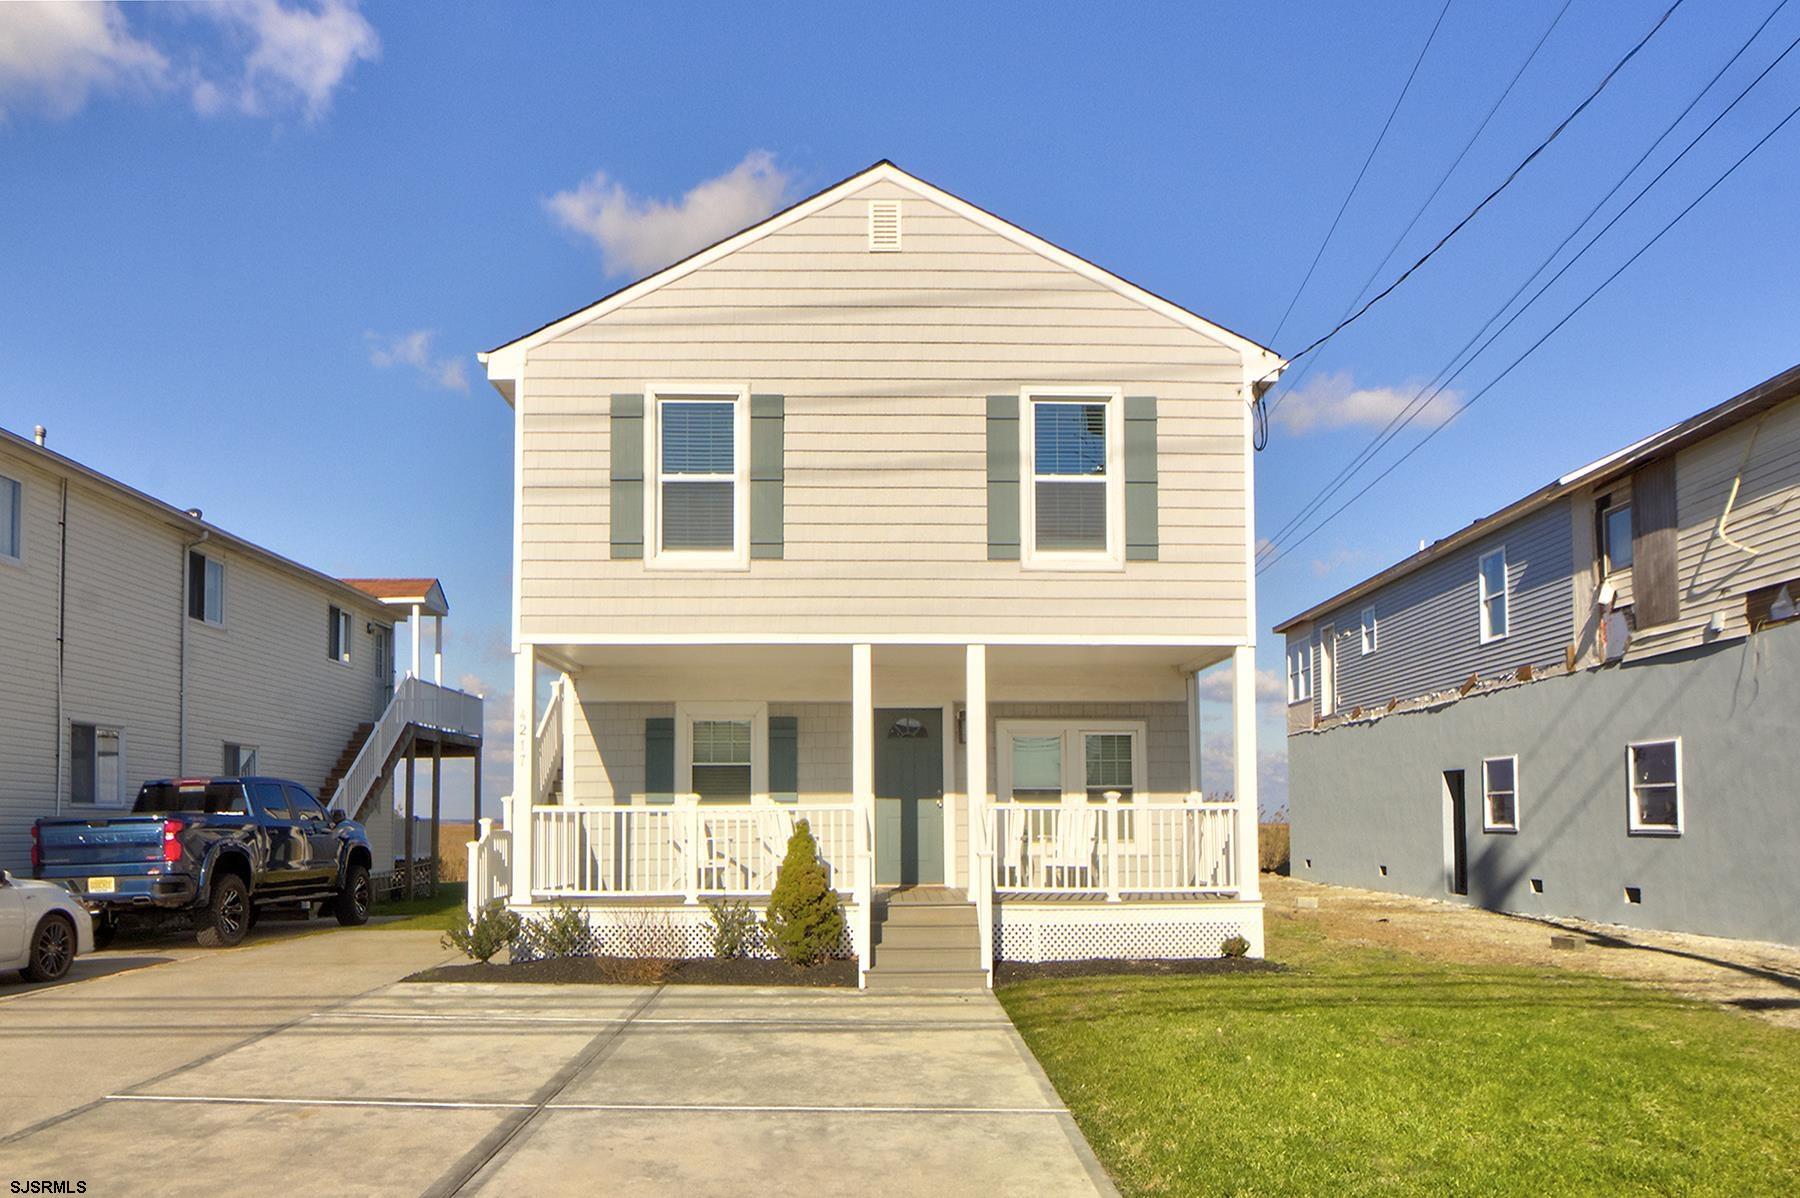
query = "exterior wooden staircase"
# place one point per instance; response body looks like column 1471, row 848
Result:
column 925, row 938
column 347, row 758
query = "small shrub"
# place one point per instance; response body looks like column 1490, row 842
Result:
column 733, row 929
column 805, row 920
column 648, row 935
column 484, row 935
column 1235, row 946
column 1272, row 840
column 561, row 933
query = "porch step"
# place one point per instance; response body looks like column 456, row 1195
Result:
column 945, row 935
column 926, row 939
column 891, row 981
column 928, row 958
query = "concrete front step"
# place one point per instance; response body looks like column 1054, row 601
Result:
column 928, row 935
column 891, row 980
column 930, row 959
column 921, row 914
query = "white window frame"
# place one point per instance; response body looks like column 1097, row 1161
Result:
column 756, row 713
column 1299, row 671
column 1488, row 635
column 119, row 800
column 1371, row 631
column 254, row 752
column 345, row 635
column 1113, row 556
column 208, row 561
column 1636, row 826
column 16, row 533
column 1074, row 754
column 1324, row 679
column 738, row 556
column 1488, row 824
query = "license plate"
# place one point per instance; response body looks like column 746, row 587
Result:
column 101, row 885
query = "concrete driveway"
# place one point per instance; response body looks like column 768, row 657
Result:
column 298, row 1067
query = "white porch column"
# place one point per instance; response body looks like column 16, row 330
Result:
column 862, row 793
column 524, row 798
column 437, row 649
column 1196, row 783
column 981, row 860
column 415, row 639
column 1243, row 765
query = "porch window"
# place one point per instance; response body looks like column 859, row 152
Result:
column 10, row 532
column 96, row 765
column 700, row 495
column 240, row 761
column 1037, row 767
column 337, row 635
column 1109, row 764
column 1654, row 775
column 1500, row 789
column 1052, row 760
column 1074, row 505
column 721, row 760
column 1494, row 595
column 206, row 588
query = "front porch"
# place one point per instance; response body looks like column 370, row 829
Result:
column 1056, row 788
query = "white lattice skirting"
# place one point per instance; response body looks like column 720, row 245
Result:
column 1096, row 932
column 678, row 933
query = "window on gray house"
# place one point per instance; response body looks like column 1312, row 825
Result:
column 1494, row 595
column 1655, row 776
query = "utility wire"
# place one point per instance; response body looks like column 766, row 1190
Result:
column 1357, row 182
column 1289, row 385
column 1489, row 198
column 1426, row 439
column 1419, row 401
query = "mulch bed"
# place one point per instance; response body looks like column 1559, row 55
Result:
column 639, row 971
column 1024, row 971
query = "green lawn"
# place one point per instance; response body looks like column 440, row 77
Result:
column 438, row 914
column 1365, row 1071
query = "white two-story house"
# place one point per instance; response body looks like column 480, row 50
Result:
column 885, row 514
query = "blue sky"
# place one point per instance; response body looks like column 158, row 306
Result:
column 249, row 250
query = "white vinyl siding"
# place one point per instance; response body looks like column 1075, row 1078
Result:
column 1495, row 595
column 1653, row 777
column 885, row 363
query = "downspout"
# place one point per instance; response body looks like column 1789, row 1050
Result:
column 181, row 667
column 62, row 609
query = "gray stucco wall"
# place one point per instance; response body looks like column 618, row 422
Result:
column 1367, row 795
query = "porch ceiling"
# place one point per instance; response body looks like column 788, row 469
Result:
column 905, row 675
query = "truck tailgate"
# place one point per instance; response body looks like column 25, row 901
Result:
column 89, row 845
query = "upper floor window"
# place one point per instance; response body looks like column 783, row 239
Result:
column 699, row 500
column 337, row 635
column 1495, row 595
column 206, row 588
column 1299, row 671
column 1370, row 632
column 1615, row 538
column 1073, row 506
column 11, row 495
column 1654, row 774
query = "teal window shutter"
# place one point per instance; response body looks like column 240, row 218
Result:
column 659, row 760
column 1003, row 477
column 1140, row 478
column 627, row 490
column 784, row 758
column 767, row 460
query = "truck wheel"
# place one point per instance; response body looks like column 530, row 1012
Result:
column 352, row 904
column 226, row 919
column 52, row 950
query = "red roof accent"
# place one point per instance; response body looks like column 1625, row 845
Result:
column 391, row 588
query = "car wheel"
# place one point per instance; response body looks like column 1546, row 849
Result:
column 52, row 950
column 356, row 898
column 227, row 917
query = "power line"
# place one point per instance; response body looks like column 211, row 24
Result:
column 1293, row 384
column 1415, row 407
column 1357, row 182
column 1489, row 198
column 1423, row 441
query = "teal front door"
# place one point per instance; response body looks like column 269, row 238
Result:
column 909, row 796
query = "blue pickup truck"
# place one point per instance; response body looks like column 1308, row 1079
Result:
column 219, row 848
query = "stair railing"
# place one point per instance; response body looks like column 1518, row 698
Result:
column 549, row 745
column 416, row 703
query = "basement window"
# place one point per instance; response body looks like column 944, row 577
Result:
column 1653, row 771
column 1500, row 792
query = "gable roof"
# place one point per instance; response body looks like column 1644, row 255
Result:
column 505, row 362
column 426, row 593
column 1767, row 394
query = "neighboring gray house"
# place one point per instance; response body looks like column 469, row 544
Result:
column 1585, row 704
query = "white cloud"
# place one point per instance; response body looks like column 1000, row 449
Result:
column 1215, row 684
column 638, row 235
column 1334, row 401
column 414, row 349
column 58, row 54
column 294, row 56
column 1336, row 560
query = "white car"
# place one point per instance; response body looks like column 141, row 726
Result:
column 42, row 928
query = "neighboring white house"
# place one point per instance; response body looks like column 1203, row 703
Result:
column 886, row 514
column 142, row 641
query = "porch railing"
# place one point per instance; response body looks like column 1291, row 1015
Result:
column 490, row 865
column 686, row 851
column 1114, row 848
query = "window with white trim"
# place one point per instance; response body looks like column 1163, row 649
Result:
column 1495, row 595
column 206, row 588
column 338, row 635
column 1653, row 775
column 96, row 765
column 240, row 761
column 722, row 751
column 1299, row 670
column 12, row 496
column 1073, row 507
column 1370, row 631
column 1050, row 760
column 698, row 445
column 1615, row 537
column 1500, row 794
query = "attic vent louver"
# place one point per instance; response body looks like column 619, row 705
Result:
column 884, row 226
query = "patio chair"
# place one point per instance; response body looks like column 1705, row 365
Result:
column 1072, row 853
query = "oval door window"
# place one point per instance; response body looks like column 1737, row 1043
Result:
column 908, row 728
